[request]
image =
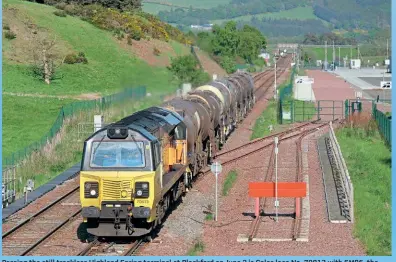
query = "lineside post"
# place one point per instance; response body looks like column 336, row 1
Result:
column 298, row 207
column 276, row 178
column 257, row 207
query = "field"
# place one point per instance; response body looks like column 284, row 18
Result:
column 369, row 165
column 154, row 8
column 301, row 13
column 18, row 123
column 110, row 68
column 320, row 52
column 103, row 73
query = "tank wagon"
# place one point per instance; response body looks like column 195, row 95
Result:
column 134, row 169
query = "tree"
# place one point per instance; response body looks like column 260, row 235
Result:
column 186, row 70
column 44, row 59
column 226, row 40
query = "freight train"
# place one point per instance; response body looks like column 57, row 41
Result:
column 133, row 170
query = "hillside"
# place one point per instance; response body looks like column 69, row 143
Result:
column 357, row 16
column 30, row 106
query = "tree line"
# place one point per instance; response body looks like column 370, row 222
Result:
column 229, row 43
column 357, row 14
column 234, row 9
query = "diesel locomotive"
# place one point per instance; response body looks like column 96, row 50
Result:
column 133, row 170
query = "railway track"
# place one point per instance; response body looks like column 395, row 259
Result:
column 266, row 208
column 116, row 248
column 30, row 233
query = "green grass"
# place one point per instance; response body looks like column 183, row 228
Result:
column 209, row 216
column 202, row 4
column 268, row 117
column 48, row 163
column 302, row 110
column 369, row 165
column 196, row 249
column 20, row 128
column 153, row 8
column 300, row 13
column 109, row 67
column 229, row 182
column 320, row 52
column 179, row 48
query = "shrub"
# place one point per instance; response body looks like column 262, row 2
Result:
column 60, row 13
column 10, row 35
column 156, row 51
column 228, row 64
column 251, row 69
column 6, row 27
column 74, row 59
column 60, row 6
column 81, row 58
column 70, row 59
column 129, row 40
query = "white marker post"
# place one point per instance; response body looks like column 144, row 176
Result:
column 216, row 170
column 276, row 179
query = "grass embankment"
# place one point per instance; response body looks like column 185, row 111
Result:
column 267, row 118
column 229, row 182
column 110, row 68
column 20, row 127
column 302, row 111
column 369, row 165
column 33, row 106
column 66, row 149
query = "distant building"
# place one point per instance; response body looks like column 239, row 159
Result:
column 205, row 27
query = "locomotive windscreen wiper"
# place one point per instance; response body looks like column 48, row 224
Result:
column 100, row 142
column 137, row 145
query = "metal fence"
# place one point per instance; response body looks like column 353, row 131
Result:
column 69, row 111
column 384, row 124
column 288, row 89
column 291, row 111
column 343, row 181
column 194, row 53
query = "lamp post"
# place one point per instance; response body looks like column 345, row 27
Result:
column 275, row 91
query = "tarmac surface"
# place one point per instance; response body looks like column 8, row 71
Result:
column 366, row 80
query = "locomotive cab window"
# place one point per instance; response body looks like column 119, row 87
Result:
column 180, row 133
column 117, row 154
column 157, row 154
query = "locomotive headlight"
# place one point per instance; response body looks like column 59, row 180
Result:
column 142, row 189
column 91, row 189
